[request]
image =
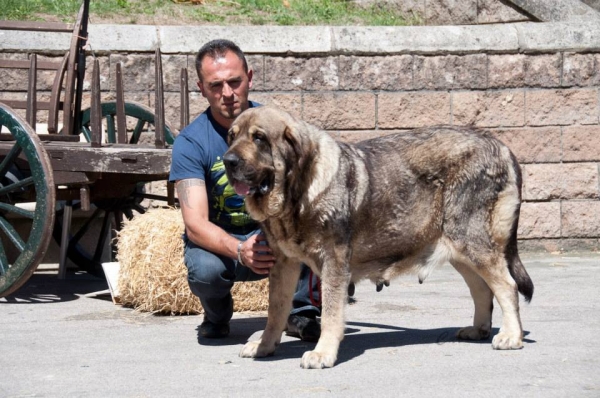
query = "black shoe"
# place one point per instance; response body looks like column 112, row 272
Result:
column 305, row 328
column 211, row 330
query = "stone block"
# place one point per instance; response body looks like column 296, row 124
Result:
column 560, row 181
column 539, row 220
column 562, row 107
column 450, row 72
column 489, row 109
column 518, row 70
column 314, row 74
column 257, row 64
column 581, row 70
column 543, row 70
column 414, row 109
column 333, row 111
column 14, row 79
column 581, row 143
column 105, row 73
column 290, row 102
column 138, row 71
column 172, row 65
column 376, row 73
column 581, row 219
column 532, row 145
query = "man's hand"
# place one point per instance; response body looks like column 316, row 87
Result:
column 257, row 255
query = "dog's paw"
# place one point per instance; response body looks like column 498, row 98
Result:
column 473, row 333
column 254, row 349
column 317, row 360
column 505, row 341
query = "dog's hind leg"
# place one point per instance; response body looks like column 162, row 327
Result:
column 483, row 299
column 493, row 269
column 283, row 279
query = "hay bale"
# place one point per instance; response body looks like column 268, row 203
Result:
column 153, row 277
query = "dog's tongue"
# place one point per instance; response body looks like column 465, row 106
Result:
column 241, row 188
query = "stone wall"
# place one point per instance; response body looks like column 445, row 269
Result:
column 535, row 86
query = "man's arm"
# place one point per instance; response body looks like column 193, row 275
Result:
column 193, row 201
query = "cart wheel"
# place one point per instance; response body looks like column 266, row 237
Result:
column 25, row 176
column 138, row 115
column 108, row 213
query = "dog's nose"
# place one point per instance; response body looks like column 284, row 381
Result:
column 231, row 160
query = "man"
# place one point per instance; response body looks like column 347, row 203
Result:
column 223, row 244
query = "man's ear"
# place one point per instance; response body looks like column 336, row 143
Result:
column 201, row 87
column 250, row 75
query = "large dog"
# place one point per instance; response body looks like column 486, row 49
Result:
column 382, row 207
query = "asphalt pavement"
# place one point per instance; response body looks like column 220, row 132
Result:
column 66, row 338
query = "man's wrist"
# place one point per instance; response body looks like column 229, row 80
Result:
column 239, row 253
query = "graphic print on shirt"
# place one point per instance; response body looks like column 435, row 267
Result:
column 228, row 207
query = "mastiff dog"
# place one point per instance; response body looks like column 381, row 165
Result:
column 400, row 203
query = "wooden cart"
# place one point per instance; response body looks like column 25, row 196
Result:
column 95, row 162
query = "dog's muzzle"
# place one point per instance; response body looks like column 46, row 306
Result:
column 242, row 177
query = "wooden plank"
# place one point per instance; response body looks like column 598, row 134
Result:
column 96, row 109
column 31, row 111
column 159, row 103
column 126, row 159
column 24, row 64
column 40, row 105
column 36, row 26
column 121, row 121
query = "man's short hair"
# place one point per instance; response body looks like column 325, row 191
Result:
column 218, row 48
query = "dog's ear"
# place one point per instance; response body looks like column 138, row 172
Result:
column 232, row 133
column 294, row 140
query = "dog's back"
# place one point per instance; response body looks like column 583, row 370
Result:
column 439, row 194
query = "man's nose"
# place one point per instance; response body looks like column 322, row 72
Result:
column 227, row 90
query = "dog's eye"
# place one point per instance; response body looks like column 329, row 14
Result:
column 259, row 139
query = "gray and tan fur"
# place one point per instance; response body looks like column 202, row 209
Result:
column 383, row 207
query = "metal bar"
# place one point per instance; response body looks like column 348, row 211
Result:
column 64, row 239
column 110, row 129
column 184, row 99
column 4, row 265
column 31, row 114
column 137, row 132
column 121, row 121
column 16, row 210
column 96, row 108
column 159, row 103
column 16, row 185
column 12, row 234
column 9, row 159
column 84, row 197
column 36, row 26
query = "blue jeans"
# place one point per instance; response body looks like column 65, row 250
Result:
column 212, row 276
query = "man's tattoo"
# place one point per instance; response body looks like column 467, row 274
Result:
column 183, row 189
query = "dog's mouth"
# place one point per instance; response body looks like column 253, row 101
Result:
column 246, row 189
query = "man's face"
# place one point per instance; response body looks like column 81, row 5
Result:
column 225, row 85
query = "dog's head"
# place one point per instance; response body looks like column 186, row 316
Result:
column 265, row 156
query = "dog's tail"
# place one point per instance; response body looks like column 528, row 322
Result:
column 515, row 266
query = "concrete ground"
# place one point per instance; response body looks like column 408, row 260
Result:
column 64, row 339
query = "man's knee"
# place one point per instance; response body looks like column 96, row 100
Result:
column 208, row 276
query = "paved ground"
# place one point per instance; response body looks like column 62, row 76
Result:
column 60, row 339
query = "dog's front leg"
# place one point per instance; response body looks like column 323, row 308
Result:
column 283, row 280
column 334, row 290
